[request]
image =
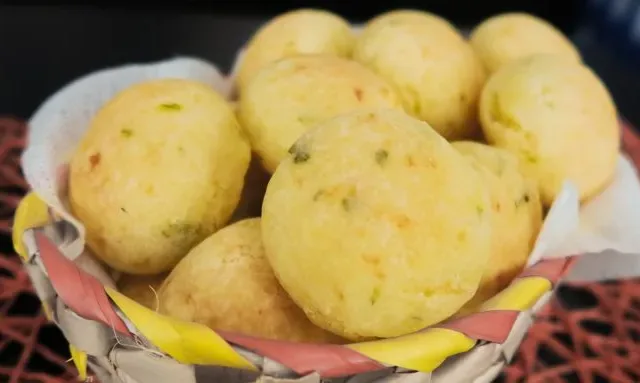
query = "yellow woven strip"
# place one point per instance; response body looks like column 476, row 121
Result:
column 520, row 296
column 423, row 351
column 191, row 343
column 80, row 361
column 186, row 342
column 47, row 311
column 31, row 212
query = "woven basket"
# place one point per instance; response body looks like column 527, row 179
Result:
column 124, row 342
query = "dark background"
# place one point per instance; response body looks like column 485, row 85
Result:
column 44, row 47
column 461, row 11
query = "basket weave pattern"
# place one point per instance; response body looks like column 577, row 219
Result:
column 484, row 362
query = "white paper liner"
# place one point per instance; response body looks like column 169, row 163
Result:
column 611, row 221
column 57, row 126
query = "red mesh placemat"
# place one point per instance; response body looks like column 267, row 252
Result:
column 23, row 356
column 589, row 333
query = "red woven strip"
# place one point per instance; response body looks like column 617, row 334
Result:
column 495, row 326
column 328, row 360
column 630, row 143
column 551, row 269
column 491, row 326
column 83, row 293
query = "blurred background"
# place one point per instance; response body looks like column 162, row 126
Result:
column 44, row 47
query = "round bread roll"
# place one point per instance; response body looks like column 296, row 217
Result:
column 293, row 33
column 436, row 72
column 376, row 226
column 401, row 16
column 559, row 118
column 234, row 106
column 142, row 288
column 255, row 185
column 160, row 168
column 227, row 284
column 516, row 216
column 509, row 37
column 291, row 95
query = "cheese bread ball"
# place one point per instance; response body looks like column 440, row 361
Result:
column 142, row 288
column 255, row 185
column 560, row 120
column 509, row 37
column 293, row 33
column 226, row 283
column 435, row 70
column 291, row 95
column 516, row 216
column 159, row 169
column 400, row 16
column 376, row 226
column 234, row 106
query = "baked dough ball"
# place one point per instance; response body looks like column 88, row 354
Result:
column 142, row 288
column 376, row 226
column 255, row 185
column 436, row 72
column 227, row 284
column 234, row 106
column 160, row 168
column 559, row 118
column 516, row 216
column 293, row 33
column 291, row 95
column 400, row 16
column 506, row 38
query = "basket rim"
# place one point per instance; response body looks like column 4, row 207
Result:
column 492, row 323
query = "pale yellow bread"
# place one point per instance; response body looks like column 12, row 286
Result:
column 376, row 226
column 400, row 16
column 255, row 185
column 291, row 95
column 508, row 37
column 517, row 216
column 435, row 70
column 293, row 33
column 558, row 118
column 159, row 169
column 142, row 288
column 227, row 284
